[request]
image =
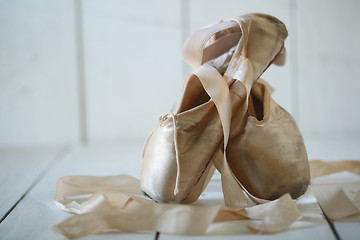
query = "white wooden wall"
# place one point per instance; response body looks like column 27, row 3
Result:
column 73, row 71
column 38, row 81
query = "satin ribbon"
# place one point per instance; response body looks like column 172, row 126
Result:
column 115, row 202
column 120, row 208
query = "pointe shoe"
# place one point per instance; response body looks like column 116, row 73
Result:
column 178, row 155
column 266, row 151
column 267, row 155
column 288, row 152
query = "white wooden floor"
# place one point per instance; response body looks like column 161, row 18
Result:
column 28, row 176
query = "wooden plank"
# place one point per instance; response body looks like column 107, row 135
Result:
column 339, row 149
column 132, row 65
column 19, row 169
column 328, row 63
column 38, row 93
column 348, row 228
column 36, row 214
column 332, row 148
column 311, row 224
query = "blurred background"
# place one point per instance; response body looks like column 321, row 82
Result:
column 90, row 71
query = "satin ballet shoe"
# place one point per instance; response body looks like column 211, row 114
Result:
column 178, row 155
column 293, row 175
column 266, row 151
column 249, row 153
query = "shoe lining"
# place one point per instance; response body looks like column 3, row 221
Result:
column 256, row 103
column 194, row 95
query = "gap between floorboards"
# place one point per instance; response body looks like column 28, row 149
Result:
column 332, row 226
column 56, row 159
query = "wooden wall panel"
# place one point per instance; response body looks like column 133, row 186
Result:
column 329, row 60
column 132, row 65
column 38, row 85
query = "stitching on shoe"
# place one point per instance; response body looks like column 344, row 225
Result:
column 203, row 170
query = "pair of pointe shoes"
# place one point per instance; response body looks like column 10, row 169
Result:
column 227, row 119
